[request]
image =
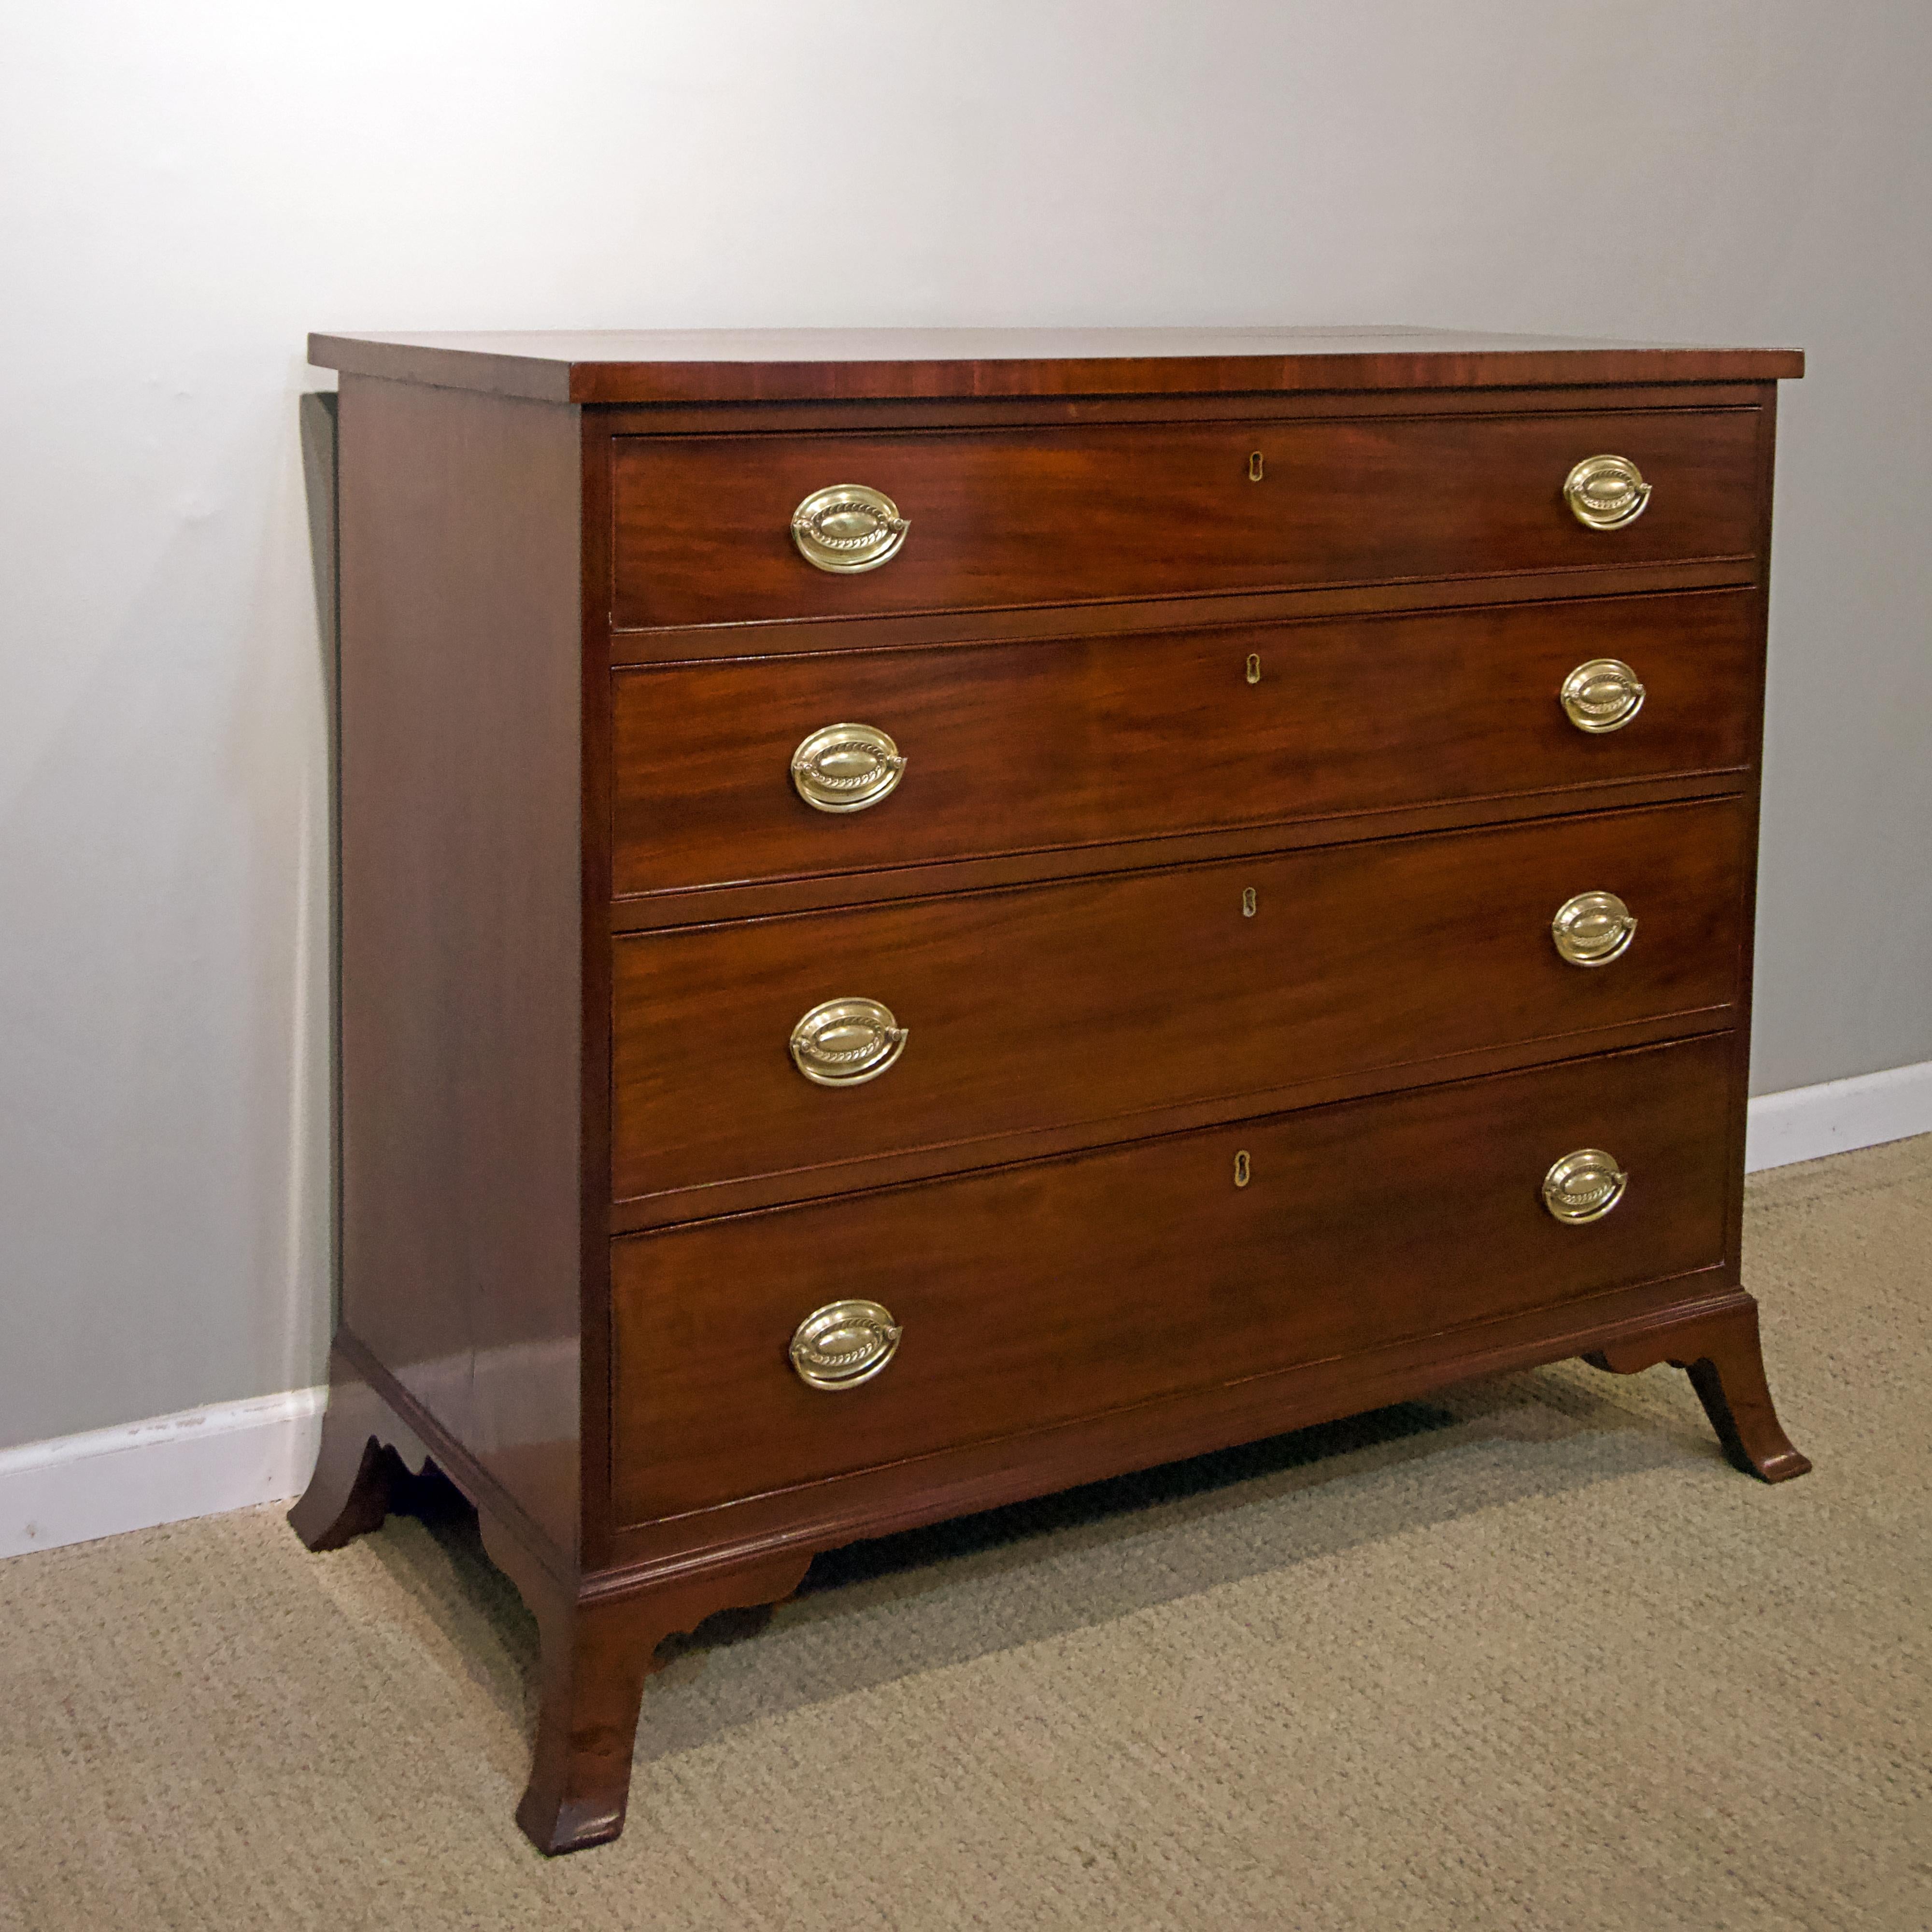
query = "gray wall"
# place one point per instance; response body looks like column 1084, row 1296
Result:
column 187, row 189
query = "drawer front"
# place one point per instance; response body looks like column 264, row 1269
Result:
column 1041, row 1294
column 1082, row 741
column 704, row 532
column 1094, row 1000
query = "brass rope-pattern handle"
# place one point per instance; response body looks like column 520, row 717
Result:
column 846, row 768
column 843, row 1344
column 1602, row 695
column 1583, row 1186
column 845, row 1042
column 1605, row 493
column 1593, row 928
column 848, row 528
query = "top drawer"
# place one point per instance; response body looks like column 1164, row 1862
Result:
column 703, row 525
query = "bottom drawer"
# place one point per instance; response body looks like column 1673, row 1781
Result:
column 1036, row 1295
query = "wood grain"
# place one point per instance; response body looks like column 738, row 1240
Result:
column 1036, row 1294
column 461, row 977
column 1086, row 743
column 1094, row 1001
column 1005, row 517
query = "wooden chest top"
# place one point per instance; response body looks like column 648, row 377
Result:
column 769, row 365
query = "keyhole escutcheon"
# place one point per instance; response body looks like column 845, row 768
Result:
column 1241, row 1168
column 1254, row 467
column 1254, row 667
column 1248, row 902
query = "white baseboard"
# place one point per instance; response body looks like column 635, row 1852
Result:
column 204, row 1460
column 1809, row 1122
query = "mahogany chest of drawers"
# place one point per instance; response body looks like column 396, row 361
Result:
column 929, row 917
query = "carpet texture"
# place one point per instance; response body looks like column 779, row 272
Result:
column 1528, row 1654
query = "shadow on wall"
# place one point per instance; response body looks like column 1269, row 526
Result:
column 317, row 422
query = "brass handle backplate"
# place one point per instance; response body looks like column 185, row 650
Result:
column 1583, row 1186
column 843, row 1344
column 1602, row 695
column 846, row 1043
column 848, row 528
column 1593, row 928
column 1604, row 493
column 846, row 768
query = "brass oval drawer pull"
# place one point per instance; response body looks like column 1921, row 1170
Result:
column 1583, row 1186
column 843, row 1344
column 846, row 1043
column 1593, row 928
column 1604, row 493
column 1602, row 695
column 848, row 528
column 846, row 768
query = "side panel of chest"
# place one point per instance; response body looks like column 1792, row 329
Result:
column 461, row 974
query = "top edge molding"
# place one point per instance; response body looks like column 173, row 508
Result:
column 922, row 364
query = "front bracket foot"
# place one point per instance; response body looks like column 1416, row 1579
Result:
column 596, row 1652
column 1724, row 1357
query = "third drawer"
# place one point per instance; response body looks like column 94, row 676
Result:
column 1090, row 1004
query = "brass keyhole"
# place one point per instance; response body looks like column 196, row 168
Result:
column 1254, row 467
column 1241, row 1168
column 1254, row 667
column 1248, row 902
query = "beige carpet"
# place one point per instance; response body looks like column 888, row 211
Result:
column 1529, row 1656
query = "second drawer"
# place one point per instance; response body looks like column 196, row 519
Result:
column 1085, row 741
column 1092, row 1002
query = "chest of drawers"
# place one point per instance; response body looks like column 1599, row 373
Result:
column 929, row 917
